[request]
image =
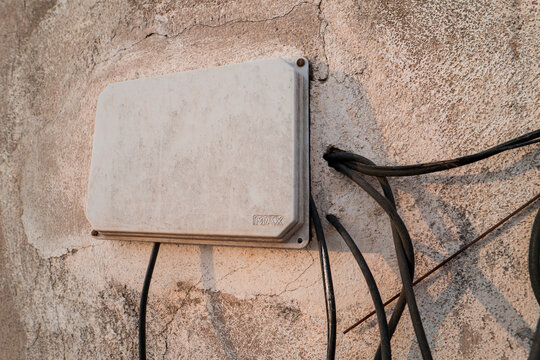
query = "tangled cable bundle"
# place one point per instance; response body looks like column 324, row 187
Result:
column 355, row 167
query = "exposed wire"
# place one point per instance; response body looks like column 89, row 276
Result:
column 331, row 322
column 354, row 162
column 372, row 286
column 144, row 299
column 451, row 257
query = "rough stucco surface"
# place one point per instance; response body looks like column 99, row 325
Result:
column 397, row 81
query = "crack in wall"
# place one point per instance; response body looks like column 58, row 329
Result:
column 236, row 21
column 298, row 277
column 322, row 34
column 201, row 25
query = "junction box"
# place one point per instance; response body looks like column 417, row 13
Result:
column 217, row 156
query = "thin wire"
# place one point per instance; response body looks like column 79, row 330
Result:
column 406, row 274
column 372, row 286
column 451, row 257
column 355, row 163
column 331, row 322
column 144, row 299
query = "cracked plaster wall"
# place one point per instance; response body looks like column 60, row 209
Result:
column 397, row 81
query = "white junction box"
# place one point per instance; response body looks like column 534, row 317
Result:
column 216, row 156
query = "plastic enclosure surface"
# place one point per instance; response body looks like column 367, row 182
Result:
column 215, row 156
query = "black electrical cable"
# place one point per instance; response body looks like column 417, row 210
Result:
column 372, row 286
column 387, row 191
column 326, row 276
column 409, row 251
column 406, row 274
column 331, row 321
column 535, row 348
column 406, row 243
column 408, row 248
column 534, row 257
column 355, row 162
column 534, row 273
column 144, row 299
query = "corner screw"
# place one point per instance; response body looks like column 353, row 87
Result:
column 94, row 233
column 300, row 62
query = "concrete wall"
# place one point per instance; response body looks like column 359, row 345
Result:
column 397, row 81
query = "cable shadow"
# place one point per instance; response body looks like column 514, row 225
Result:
column 468, row 277
column 464, row 278
column 213, row 302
